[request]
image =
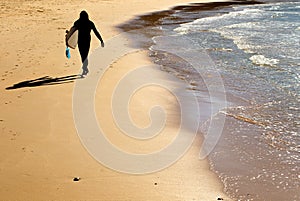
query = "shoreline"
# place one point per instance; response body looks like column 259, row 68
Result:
column 42, row 150
column 146, row 25
column 155, row 19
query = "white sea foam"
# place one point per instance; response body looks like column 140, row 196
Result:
column 240, row 37
column 208, row 22
column 263, row 61
column 222, row 24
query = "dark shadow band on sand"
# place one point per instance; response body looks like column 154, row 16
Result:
column 154, row 19
column 43, row 81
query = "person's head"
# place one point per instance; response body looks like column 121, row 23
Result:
column 84, row 15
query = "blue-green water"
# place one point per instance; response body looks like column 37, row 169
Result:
column 255, row 48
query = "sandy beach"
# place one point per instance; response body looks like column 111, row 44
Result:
column 41, row 151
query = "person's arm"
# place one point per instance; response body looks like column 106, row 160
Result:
column 69, row 33
column 97, row 34
column 72, row 30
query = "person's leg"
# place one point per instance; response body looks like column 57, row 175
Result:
column 84, row 51
column 85, row 69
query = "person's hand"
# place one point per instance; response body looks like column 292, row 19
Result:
column 102, row 44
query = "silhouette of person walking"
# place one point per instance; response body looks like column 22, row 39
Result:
column 84, row 27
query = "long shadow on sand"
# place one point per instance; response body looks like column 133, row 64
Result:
column 42, row 81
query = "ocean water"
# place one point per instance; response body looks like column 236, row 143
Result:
column 256, row 49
